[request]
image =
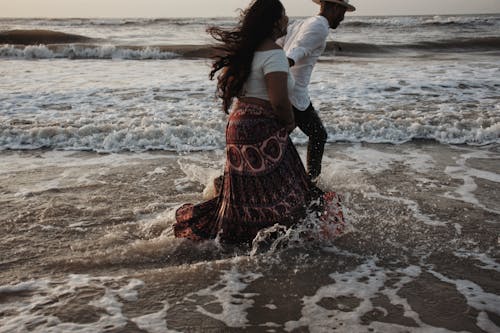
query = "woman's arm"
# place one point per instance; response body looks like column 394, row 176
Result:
column 277, row 90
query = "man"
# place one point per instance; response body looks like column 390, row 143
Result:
column 304, row 43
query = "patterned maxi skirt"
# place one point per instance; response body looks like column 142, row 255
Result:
column 264, row 183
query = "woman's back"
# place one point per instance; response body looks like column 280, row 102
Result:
column 265, row 62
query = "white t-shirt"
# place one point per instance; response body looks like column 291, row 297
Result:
column 265, row 62
column 304, row 42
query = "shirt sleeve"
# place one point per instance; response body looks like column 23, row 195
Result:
column 311, row 37
column 276, row 62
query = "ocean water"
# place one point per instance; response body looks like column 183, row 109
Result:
column 381, row 79
column 103, row 137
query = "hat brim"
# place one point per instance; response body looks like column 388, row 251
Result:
column 348, row 7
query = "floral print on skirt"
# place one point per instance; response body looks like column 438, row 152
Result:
column 264, row 183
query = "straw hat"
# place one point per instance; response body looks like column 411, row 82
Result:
column 344, row 3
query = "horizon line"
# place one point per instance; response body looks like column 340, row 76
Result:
column 210, row 17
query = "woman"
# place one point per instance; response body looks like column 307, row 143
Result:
column 264, row 179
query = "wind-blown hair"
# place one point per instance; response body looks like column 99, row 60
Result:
column 235, row 53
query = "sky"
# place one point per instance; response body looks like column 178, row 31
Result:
column 212, row 8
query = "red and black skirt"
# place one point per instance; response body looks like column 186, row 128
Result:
column 264, row 182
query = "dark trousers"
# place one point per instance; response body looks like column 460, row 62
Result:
column 309, row 122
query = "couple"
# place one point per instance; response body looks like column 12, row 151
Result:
column 265, row 182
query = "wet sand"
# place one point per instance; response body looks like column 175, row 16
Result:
column 87, row 246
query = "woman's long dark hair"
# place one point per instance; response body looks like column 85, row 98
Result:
column 234, row 56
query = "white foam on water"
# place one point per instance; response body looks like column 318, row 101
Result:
column 199, row 170
column 153, row 240
column 154, row 322
column 157, row 171
column 73, row 51
column 136, row 107
column 232, row 283
column 477, row 298
column 412, row 206
column 350, row 173
column 160, row 221
column 28, row 309
column 364, row 159
column 31, row 285
column 378, row 101
column 365, row 282
column 270, row 324
column 486, row 261
column 370, row 160
column 342, row 173
column 484, row 323
column 430, row 183
column 68, row 159
column 458, row 228
column 467, row 174
column 311, row 230
column 335, row 250
column 60, row 170
column 419, row 161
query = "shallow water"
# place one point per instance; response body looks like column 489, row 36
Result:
column 170, row 105
column 136, row 87
column 88, row 246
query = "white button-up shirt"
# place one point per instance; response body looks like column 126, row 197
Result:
column 304, row 42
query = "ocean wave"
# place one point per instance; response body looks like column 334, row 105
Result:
column 358, row 24
column 461, row 21
column 37, row 36
column 142, row 22
column 479, row 44
column 162, row 52
column 85, row 51
column 448, row 45
column 422, row 21
column 111, row 138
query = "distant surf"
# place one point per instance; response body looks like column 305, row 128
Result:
column 479, row 44
column 103, row 52
column 34, row 37
column 46, row 44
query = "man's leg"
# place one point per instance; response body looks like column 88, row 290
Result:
column 309, row 122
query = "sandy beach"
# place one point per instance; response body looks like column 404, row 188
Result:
column 88, row 246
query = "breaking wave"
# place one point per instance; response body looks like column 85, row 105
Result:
column 113, row 138
column 161, row 52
